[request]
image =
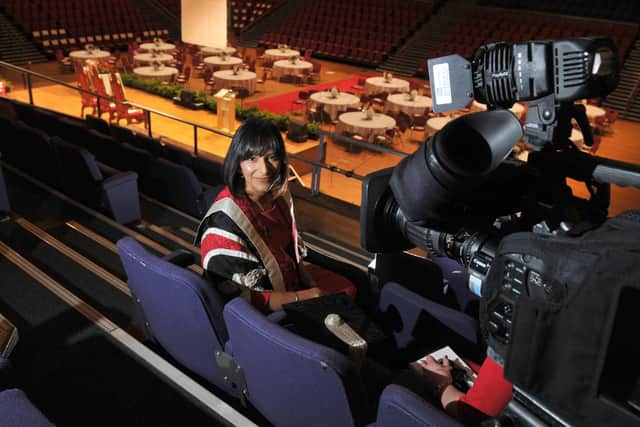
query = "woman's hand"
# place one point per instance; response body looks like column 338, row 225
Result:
column 314, row 292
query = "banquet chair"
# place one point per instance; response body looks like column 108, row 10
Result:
column 399, row 406
column 290, row 371
column 209, row 82
column 419, row 125
column 181, row 312
column 183, row 78
column 301, row 100
column 65, row 63
column 359, row 86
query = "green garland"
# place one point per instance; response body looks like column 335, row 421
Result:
column 243, row 113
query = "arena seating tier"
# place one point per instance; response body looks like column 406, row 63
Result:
column 488, row 25
column 359, row 31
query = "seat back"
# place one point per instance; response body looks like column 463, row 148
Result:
column 293, row 381
column 208, row 171
column 183, row 312
column 400, row 407
column 43, row 165
column 175, row 185
column 80, row 174
column 98, row 124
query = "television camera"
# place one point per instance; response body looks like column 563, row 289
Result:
column 534, row 252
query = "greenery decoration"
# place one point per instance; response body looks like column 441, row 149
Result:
column 242, row 113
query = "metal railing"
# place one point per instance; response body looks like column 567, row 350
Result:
column 317, row 165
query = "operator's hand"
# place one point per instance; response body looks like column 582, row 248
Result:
column 436, row 374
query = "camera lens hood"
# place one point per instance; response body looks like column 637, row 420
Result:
column 454, row 161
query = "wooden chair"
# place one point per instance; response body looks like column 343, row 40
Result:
column 124, row 111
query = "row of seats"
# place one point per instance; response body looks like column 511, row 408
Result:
column 163, row 171
column 71, row 169
column 68, row 24
column 492, row 25
column 289, row 371
column 336, row 29
column 621, row 10
column 243, row 13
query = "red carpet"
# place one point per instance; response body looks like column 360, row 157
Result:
column 282, row 103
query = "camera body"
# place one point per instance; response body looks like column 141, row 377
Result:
column 558, row 312
column 558, row 280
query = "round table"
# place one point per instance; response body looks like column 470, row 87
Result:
column 334, row 106
column 223, row 63
column 434, row 124
column 375, row 85
column 148, row 58
column 401, row 102
column 83, row 55
column 216, row 51
column 225, row 79
column 160, row 46
column 276, row 54
column 356, row 122
column 162, row 73
column 285, row 67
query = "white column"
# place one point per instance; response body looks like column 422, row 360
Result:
column 204, row 22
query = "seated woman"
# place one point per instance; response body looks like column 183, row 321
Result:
column 249, row 234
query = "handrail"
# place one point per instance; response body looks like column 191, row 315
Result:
column 317, row 165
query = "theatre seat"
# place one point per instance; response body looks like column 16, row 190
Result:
column 82, row 180
column 400, row 407
column 16, row 410
column 293, row 381
column 182, row 312
column 177, row 186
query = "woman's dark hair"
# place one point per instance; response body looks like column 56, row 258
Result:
column 253, row 138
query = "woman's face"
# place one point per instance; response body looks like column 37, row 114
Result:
column 260, row 173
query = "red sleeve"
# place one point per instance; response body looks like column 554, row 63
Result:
column 260, row 300
column 491, row 391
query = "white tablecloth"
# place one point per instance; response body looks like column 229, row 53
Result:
column 148, row 58
column 434, row 124
column 223, row 64
column 356, row 122
column 401, row 102
column 161, row 47
column 215, row 51
column 83, row 55
column 276, row 54
column 225, row 79
column 375, row 85
column 334, row 106
column 162, row 73
column 285, row 67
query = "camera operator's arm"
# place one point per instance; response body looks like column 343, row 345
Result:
column 486, row 398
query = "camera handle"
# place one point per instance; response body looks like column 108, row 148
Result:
column 548, row 122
